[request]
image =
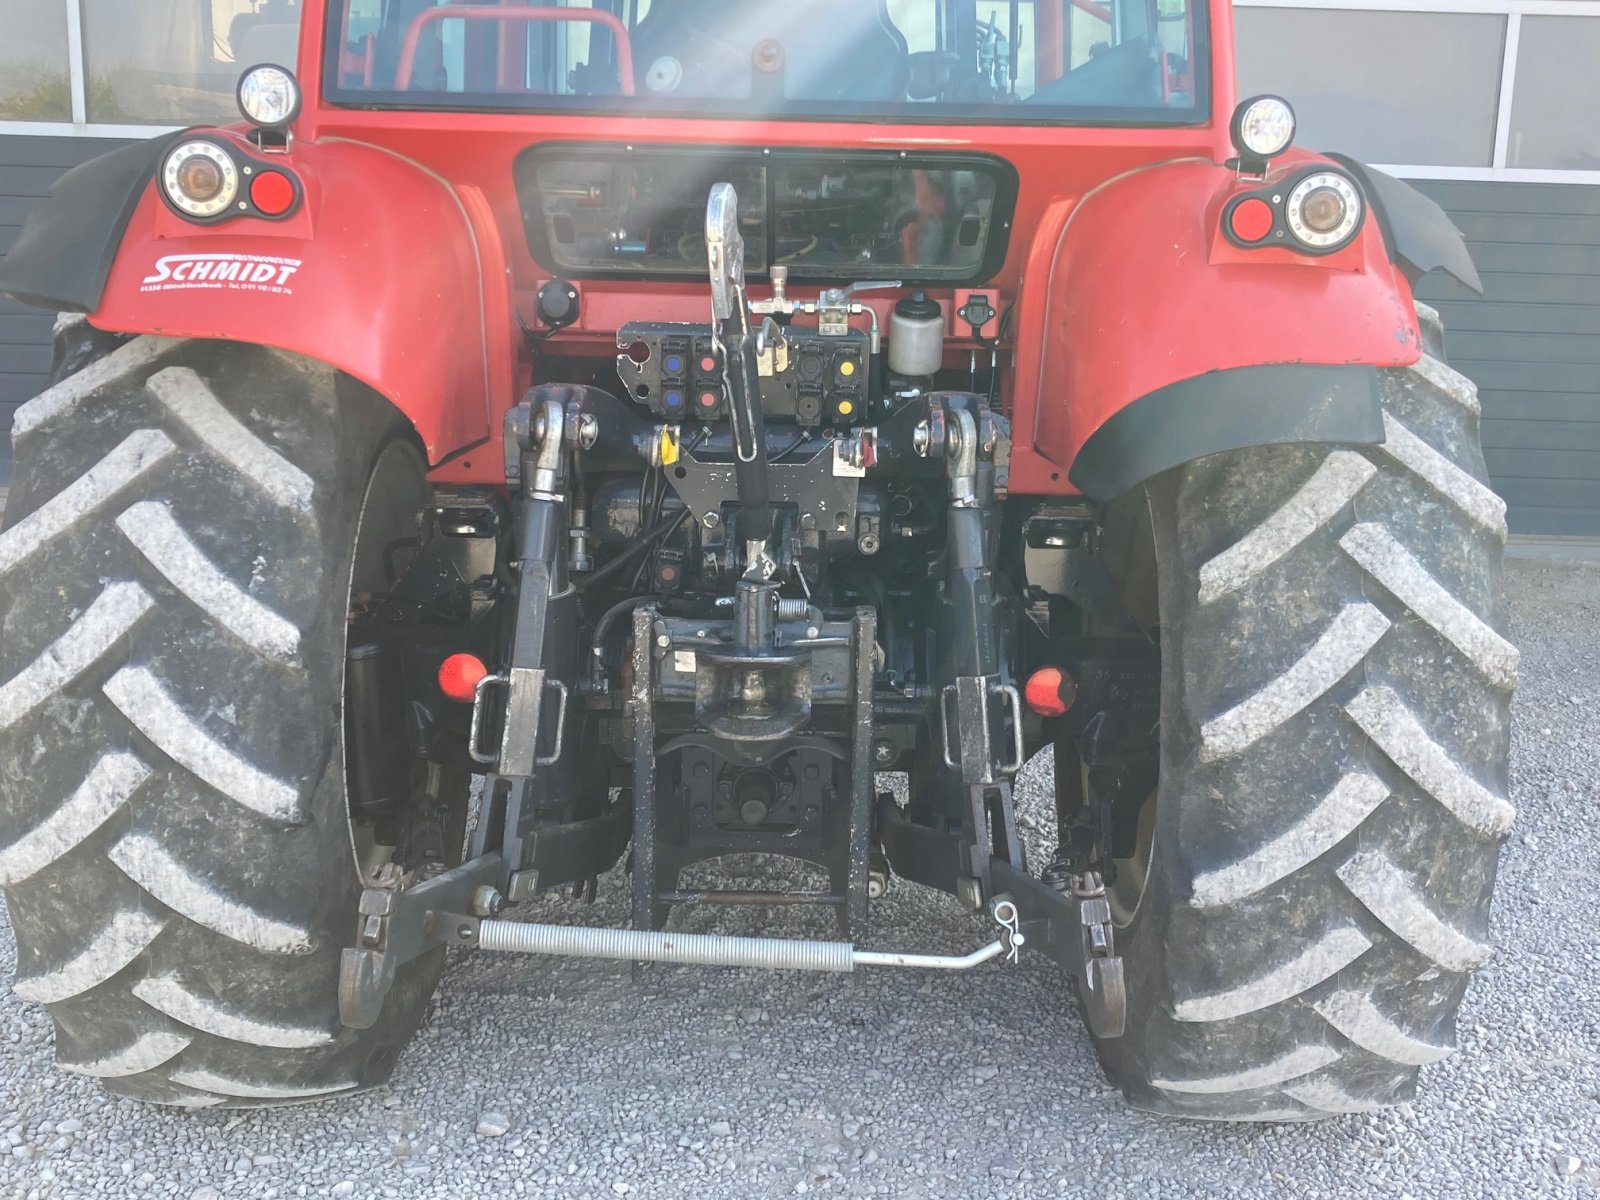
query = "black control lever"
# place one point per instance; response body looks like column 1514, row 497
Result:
column 736, row 344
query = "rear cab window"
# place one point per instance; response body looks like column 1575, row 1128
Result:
column 947, row 61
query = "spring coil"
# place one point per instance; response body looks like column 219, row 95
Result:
column 636, row 945
column 797, row 609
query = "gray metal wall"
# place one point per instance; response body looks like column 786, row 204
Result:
column 1532, row 342
column 28, row 166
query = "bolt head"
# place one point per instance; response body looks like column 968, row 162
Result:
column 883, row 752
column 488, row 902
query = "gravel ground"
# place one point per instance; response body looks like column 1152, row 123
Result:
column 709, row 1084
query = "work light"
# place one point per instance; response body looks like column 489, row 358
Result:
column 1262, row 127
column 269, row 96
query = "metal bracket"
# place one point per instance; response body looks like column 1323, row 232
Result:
column 972, row 695
column 1076, row 931
column 399, row 924
column 1072, row 929
column 524, row 709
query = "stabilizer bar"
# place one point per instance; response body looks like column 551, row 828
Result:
column 711, row 950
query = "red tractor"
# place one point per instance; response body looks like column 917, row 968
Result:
column 544, row 433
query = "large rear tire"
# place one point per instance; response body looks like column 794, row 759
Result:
column 174, row 834
column 1313, row 885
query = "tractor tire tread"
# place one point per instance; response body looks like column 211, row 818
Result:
column 1334, row 771
column 171, row 642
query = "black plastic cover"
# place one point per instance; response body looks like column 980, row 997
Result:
column 64, row 254
column 1229, row 410
column 1420, row 235
column 918, row 306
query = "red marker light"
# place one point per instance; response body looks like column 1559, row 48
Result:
column 1251, row 220
column 459, row 675
column 1050, row 691
column 272, row 193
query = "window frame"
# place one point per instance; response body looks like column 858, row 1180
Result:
column 1513, row 10
column 80, row 125
column 1084, row 117
column 74, row 94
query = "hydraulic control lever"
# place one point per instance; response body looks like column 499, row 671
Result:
column 737, row 347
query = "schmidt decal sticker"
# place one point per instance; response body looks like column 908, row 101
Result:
column 222, row 272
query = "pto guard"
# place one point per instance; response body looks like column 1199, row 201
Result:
column 1145, row 303
column 381, row 273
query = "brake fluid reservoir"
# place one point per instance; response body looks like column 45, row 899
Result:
column 916, row 335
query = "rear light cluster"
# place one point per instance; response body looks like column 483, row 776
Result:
column 1315, row 213
column 204, row 180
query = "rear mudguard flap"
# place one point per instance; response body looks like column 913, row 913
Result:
column 64, row 252
column 1229, row 410
column 1419, row 234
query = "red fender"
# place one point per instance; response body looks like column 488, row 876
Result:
column 1133, row 288
column 385, row 272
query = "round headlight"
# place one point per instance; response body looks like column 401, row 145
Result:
column 1323, row 210
column 269, row 96
column 1263, row 126
column 200, row 178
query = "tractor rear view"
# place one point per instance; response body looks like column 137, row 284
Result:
column 540, row 438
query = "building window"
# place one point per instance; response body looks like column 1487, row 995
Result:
column 35, row 84
column 1386, row 87
column 176, row 62
column 1556, row 96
